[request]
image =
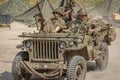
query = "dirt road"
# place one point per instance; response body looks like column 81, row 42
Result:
column 9, row 40
column 113, row 70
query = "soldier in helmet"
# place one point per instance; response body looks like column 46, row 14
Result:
column 69, row 13
column 92, row 28
column 56, row 24
column 91, row 25
column 82, row 15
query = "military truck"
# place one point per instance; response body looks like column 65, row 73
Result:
column 61, row 55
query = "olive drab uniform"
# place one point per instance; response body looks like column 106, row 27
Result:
column 93, row 25
column 69, row 13
column 96, row 27
column 92, row 28
column 89, row 24
column 52, row 23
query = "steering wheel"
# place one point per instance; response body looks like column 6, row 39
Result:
column 77, row 27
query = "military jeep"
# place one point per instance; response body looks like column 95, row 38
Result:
column 61, row 55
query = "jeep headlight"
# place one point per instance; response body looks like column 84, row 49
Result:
column 62, row 45
column 28, row 44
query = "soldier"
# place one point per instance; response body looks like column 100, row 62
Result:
column 91, row 25
column 69, row 13
column 56, row 24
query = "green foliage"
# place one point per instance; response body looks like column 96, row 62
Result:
column 2, row 1
column 87, row 3
column 90, row 3
column 53, row 1
column 32, row 2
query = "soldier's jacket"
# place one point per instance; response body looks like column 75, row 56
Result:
column 91, row 24
column 95, row 26
column 51, row 24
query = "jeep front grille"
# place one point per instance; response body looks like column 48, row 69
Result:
column 45, row 50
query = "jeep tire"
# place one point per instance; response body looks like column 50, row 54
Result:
column 102, row 61
column 77, row 68
column 17, row 72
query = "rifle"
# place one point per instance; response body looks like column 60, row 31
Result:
column 69, row 5
column 40, row 19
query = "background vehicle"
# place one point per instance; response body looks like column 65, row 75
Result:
column 5, row 21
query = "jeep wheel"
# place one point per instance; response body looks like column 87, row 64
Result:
column 77, row 68
column 17, row 71
column 102, row 62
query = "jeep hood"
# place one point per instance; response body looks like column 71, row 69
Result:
column 51, row 35
column 67, row 37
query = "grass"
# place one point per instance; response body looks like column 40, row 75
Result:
column 90, row 3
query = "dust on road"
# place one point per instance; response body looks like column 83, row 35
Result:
column 9, row 40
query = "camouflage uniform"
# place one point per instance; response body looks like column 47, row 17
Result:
column 52, row 24
column 91, row 25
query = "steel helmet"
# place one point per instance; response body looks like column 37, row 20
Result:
column 59, row 10
column 82, row 12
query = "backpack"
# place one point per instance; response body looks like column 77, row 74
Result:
column 112, row 34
